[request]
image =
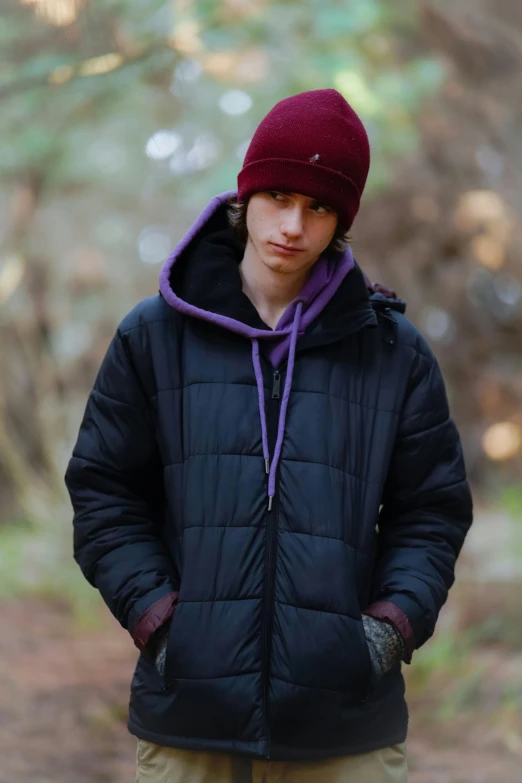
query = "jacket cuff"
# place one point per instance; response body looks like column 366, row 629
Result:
column 389, row 612
column 152, row 618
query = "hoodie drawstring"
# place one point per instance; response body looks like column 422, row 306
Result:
column 261, row 398
column 271, row 469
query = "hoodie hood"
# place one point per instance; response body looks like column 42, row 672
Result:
column 201, row 279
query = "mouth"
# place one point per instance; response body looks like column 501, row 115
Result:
column 285, row 250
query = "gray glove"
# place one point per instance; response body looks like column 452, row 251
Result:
column 385, row 644
column 160, row 648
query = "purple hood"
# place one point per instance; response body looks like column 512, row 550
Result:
column 325, row 278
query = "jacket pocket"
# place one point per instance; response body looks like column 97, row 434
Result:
column 370, row 677
column 169, row 679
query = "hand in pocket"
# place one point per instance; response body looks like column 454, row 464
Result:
column 385, row 644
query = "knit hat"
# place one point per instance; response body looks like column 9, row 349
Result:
column 311, row 143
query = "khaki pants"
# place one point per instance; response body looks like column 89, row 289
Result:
column 157, row 764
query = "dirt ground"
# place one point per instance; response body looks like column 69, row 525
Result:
column 63, row 702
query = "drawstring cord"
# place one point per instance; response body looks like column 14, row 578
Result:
column 261, row 399
column 271, row 468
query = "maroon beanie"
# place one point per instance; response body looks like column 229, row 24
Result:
column 312, row 143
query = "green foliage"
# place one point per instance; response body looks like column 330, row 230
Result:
column 38, row 562
column 354, row 18
column 444, row 655
column 445, row 667
column 464, row 696
column 511, row 697
column 349, row 46
column 12, row 578
column 511, row 500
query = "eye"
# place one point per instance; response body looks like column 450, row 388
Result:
column 322, row 209
column 277, row 196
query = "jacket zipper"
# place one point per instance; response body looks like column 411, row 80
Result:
column 271, row 539
column 276, row 386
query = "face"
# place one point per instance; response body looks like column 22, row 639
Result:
column 288, row 231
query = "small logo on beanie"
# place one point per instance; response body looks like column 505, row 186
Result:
column 314, row 158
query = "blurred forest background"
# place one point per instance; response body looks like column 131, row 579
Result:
column 119, row 120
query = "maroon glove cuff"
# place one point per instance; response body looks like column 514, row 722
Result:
column 391, row 613
column 152, row 618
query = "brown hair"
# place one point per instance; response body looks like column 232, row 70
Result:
column 237, row 212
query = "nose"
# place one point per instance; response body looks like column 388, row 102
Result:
column 292, row 223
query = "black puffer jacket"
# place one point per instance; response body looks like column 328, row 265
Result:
column 266, row 653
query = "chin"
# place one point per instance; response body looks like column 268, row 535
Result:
column 276, row 264
column 284, row 265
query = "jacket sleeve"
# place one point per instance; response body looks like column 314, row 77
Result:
column 115, row 482
column 426, row 510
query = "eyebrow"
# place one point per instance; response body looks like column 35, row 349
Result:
column 310, row 198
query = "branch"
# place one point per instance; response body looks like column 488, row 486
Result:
column 45, row 81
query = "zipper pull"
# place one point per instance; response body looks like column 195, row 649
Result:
column 276, row 385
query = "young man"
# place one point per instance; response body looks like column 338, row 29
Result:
column 269, row 492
